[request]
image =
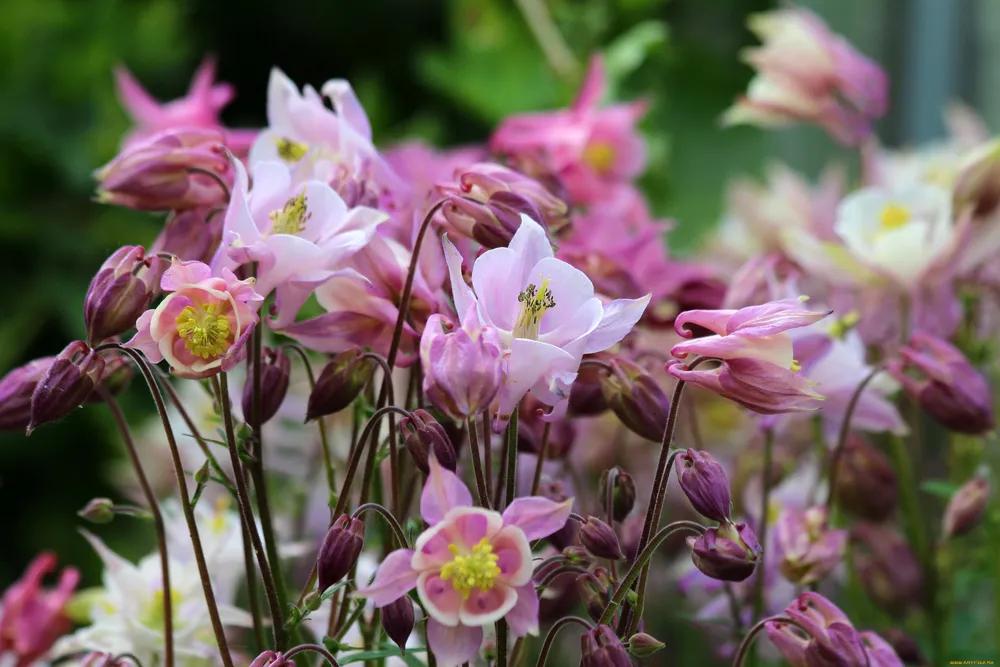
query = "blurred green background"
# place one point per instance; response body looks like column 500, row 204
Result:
column 442, row 70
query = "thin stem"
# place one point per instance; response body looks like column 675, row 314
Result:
column 215, row 177
column 559, row 571
column 550, row 637
column 154, row 508
column 252, row 600
column 321, row 422
column 543, row 451
column 744, row 648
column 482, row 488
column 511, row 457
column 845, row 430
column 758, row 584
column 315, row 648
column 397, row 530
column 557, row 52
column 487, row 449
column 390, row 399
column 609, row 507
column 734, row 609
column 502, row 476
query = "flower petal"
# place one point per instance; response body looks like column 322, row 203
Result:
column 460, row 291
column 530, row 245
column 453, row 646
column 489, row 606
column 497, row 288
column 523, row 616
column 538, row 517
column 443, row 491
column 463, row 527
column 394, row 579
column 442, row 602
column 513, row 556
column 619, row 318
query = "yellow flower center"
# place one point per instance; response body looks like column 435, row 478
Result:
column 292, row 217
column 291, row 151
column 894, row 216
column 534, row 302
column 475, row 569
column 796, row 366
column 204, row 330
column 841, row 326
column 152, row 616
column 600, row 155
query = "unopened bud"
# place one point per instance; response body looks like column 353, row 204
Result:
column 866, row 483
column 642, row 645
column 69, row 381
column 704, row 482
column 118, row 372
column 623, row 496
column 272, row 659
column 599, row 539
column 201, row 476
column 16, row 389
column 423, row 435
column 340, row 550
column 887, row 566
column 119, row 293
column 98, row 510
column 339, row 384
column 586, row 399
column 905, row 646
column 728, row 553
column 966, row 508
column 462, row 368
column 595, row 592
column 397, row 621
column 601, row 648
column 275, row 373
column 636, row 399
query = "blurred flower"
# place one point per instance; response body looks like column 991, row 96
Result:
column 600, row 647
column 887, row 566
column 866, row 483
column 66, row 384
column 808, row 548
column 33, row 618
column 623, row 496
column 462, row 370
column 121, row 290
column 966, row 507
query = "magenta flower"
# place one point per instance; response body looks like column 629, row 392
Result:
column 758, row 369
column 202, row 327
column 545, row 313
column 199, row 109
column 462, row 371
column 471, row 568
column 31, row 618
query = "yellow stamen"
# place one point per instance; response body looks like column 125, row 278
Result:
column 206, row 333
column 534, row 302
column 291, row 151
column 796, row 366
column 476, row 569
column 600, row 155
column 843, row 325
column 894, row 216
column 292, row 217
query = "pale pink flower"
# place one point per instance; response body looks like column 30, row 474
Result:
column 545, row 313
column 462, row 371
column 300, row 235
column 32, row 618
column 471, row 568
column 202, row 326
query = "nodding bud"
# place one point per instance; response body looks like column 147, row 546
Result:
column 595, row 591
column 808, row 548
column 272, row 659
column 623, row 496
column 866, row 483
column 887, row 566
column 397, row 621
column 704, row 482
column 945, row 385
column 599, row 539
column 601, row 648
column 586, row 397
column 16, row 389
column 642, row 645
column 340, row 550
column 966, row 508
column 98, row 510
column 636, row 399
column 69, row 381
column 423, row 436
column 339, row 384
column 462, row 367
column 120, row 293
column 728, row 553
column 275, row 372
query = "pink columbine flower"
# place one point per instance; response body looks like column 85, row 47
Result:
column 545, row 313
column 300, row 235
column 202, row 326
column 588, row 148
column 31, row 618
column 462, row 371
column 805, row 73
column 200, row 108
column 471, row 568
column 809, row 549
column 758, row 369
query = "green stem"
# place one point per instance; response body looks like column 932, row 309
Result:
column 744, row 648
column 389, row 399
column 393, row 524
column 511, row 490
column 482, row 488
column 550, row 637
column 543, row 452
column 758, row 587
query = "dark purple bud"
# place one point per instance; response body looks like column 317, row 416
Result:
column 119, row 293
column 423, row 435
column 276, row 370
column 966, row 508
column 905, row 646
column 586, row 399
column 69, row 381
column 704, row 482
column 886, row 566
column 340, row 550
column 866, row 483
column 599, row 539
column 623, row 497
column 556, row 490
column 397, row 621
column 339, row 384
column 636, row 399
column 577, row 554
column 808, row 548
column 728, row 553
column 98, row 510
column 642, row 645
column 16, row 389
column 601, row 648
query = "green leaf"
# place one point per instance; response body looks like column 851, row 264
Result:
column 939, row 487
column 387, row 651
column 631, row 49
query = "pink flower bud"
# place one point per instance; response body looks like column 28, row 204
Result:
column 728, row 553
column 16, row 389
column 636, row 399
column 887, row 566
column 32, row 618
column 397, row 621
column 642, row 645
column 119, row 293
column 623, row 497
column 340, row 550
column 98, row 510
column 881, row 653
column 423, row 436
column 274, row 377
column 272, row 659
column 192, row 235
column 339, row 384
column 704, row 482
column 966, row 508
column 866, row 483
column 462, row 370
column 69, row 381
column 166, row 172
column 809, row 550
column 946, row 385
column 601, row 648
column 599, row 539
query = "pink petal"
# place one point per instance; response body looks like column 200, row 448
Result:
column 570, row 287
column 538, row 517
column 483, row 607
column 713, row 320
column 772, row 318
column 442, row 602
column 143, row 341
column 453, row 646
column 594, row 86
column 529, row 362
column 184, row 273
column 462, row 527
column 619, row 318
column 394, row 579
column 460, row 291
column 143, row 108
column 523, row 616
column 531, row 246
column 514, row 556
column 347, row 106
column 494, row 277
column 443, row 491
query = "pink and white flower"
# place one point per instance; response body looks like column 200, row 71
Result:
column 471, row 568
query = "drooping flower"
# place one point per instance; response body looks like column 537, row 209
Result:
column 67, row 383
column 462, row 371
column 121, row 290
column 32, row 618
column 545, row 313
column 729, row 552
column 202, row 326
column 472, row 567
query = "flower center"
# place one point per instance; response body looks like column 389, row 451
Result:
column 152, row 616
column 292, row 217
column 600, row 155
column 204, row 330
column 476, row 569
column 534, row 302
column 894, row 216
column 291, row 151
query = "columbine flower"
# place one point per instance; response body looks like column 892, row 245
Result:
column 758, row 369
column 32, row 618
column 203, row 325
column 545, row 313
column 299, row 235
column 471, row 568
column 462, row 370
column 121, row 290
column 809, row 549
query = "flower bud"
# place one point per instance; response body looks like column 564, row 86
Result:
column 595, row 591
column 272, row 659
column 887, row 567
column 586, row 399
column 397, row 621
column 642, row 645
column 728, row 553
column 636, row 399
column 69, row 381
column 822, row 635
column 623, row 497
column 601, row 648
column 577, row 555
column 192, row 235
column 118, row 372
column 98, row 510
column 966, row 508
column 599, row 539
column 276, row 369
column 950, row 389
column 340, row 550
column 119, row 293
column 879, row 652
column 556, row 490
column 808, row 549
column 16, row 389
column 704, row 482
column 905, row 646
column 423, row 435
column 461, row 368
column 866, row 483
column 339, row 384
